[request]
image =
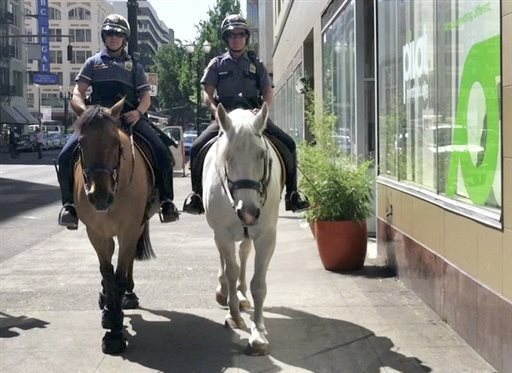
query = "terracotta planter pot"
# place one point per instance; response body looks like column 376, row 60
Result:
column 341, row 244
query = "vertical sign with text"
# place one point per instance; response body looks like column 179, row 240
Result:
column 42, row 12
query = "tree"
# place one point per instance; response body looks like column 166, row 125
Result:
column 178, row 72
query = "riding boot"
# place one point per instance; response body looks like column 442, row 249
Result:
column 193, row 203
column 168, row 211
column 293, row 200
column 67, row 215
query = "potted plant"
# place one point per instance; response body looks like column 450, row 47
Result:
column 339, row 188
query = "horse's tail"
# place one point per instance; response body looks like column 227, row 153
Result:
column 144, row 248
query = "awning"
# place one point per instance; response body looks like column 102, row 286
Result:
column 11, row 116
column 26, row 114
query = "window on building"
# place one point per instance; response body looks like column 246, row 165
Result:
column 80, row 35
column 30, row 100
column 339, row 72
column 439, row 98
column 57, row 32
column 54, row 14
column 80, row 14
column 80, row 56
column 17, row 83
column 55, row 56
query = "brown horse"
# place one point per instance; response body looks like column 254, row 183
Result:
column 114, row 197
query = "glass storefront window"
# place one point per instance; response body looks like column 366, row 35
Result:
column 439, row 105
column 339, row 75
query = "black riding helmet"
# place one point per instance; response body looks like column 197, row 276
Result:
column 232, row 22
column 117, row 23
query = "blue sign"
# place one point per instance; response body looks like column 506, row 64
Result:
column 45, row 78
column 42, row 12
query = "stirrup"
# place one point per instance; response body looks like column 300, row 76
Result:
column 168, row 212
column 295, row 203
column 67, row 217
column 194, row 205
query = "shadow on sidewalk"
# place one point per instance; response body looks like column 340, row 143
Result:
column 8, row 322
column 20, row 196
column 189, row 343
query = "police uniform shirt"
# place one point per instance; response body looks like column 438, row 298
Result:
column 236, row 77
column 112, row 78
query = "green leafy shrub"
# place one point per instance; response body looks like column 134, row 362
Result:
column 338, row 186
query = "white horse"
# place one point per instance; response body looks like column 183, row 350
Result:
column 242, row 185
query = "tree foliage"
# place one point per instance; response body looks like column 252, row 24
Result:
column 179, row 71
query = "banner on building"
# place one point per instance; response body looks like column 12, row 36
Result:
column 42, row 13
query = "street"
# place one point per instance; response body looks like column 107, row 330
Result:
column 317, row 321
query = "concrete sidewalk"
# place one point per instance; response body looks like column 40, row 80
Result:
column 318, row 321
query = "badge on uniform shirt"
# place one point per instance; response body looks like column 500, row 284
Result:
column 252, row 68
column 128, row 65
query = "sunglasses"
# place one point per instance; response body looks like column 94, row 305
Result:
column 237, row 35
column 113, row 33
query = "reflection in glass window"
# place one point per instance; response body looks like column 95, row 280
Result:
column 339, row 75
column 79, row 14
column 288, row 106
column 439, row 97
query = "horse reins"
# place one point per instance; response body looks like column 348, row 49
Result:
column 259, row 186
column 96, row 167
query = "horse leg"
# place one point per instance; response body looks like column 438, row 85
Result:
column 243, row 253
column 264, row 248
column 226, row 248
column 112, row 317
column 130, row 300
column 221, row 294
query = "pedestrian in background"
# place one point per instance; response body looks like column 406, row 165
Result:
column 13, row 143
column 39, row 139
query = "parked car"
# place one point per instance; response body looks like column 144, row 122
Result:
column 188, row 139
column 26, row 143
column 56, row 141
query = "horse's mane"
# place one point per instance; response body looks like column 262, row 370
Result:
column 91, row 115
column 240, row 134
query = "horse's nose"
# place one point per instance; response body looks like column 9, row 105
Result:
column 248, row 216
column 101, row 201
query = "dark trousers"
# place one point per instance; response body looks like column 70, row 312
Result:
column 282, row 141
column 142, row 132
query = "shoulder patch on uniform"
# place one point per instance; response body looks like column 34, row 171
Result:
column 252, row 68
column 212, row 62
column 128, row 65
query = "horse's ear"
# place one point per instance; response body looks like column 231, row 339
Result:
column 260, row 121
column 115, row 110
column 223, row 118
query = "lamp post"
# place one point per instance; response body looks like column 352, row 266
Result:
column 65, row 97
column 205, row 49
column 39, row 114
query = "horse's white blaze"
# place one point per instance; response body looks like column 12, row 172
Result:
column 241, row 153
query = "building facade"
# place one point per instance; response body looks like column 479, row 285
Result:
column 425, row 89
column 81, row 23
column 13, row 111
column 152, row 32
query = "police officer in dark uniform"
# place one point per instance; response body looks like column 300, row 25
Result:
column 238, row 79
column 113, row 74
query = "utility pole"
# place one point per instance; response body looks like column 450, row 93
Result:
column 133, row 8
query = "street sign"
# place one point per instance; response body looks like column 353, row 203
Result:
column 153, row 83
column 45, row 78
column 46, row 113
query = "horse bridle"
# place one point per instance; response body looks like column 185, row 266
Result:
column 259, row 186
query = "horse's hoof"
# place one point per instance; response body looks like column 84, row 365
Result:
column 130, row 301
column 257, row 349
column 245, row 305
column 221, row 299
column 232, row 323
column 113, row 344
column 102, row 300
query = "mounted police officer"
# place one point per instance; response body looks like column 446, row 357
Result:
column 238, row 79
column 113, row 74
